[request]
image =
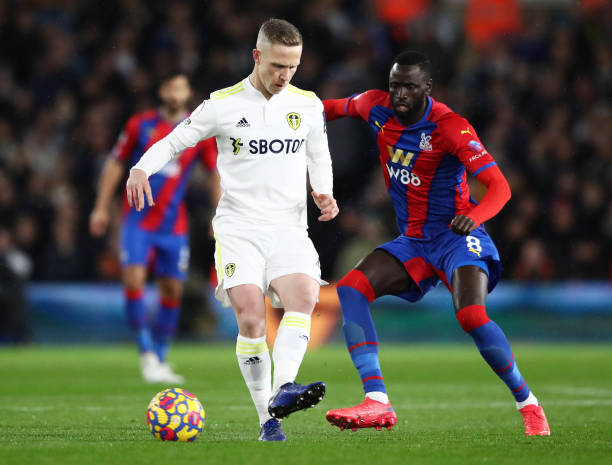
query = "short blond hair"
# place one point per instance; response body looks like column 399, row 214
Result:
column 279, row 31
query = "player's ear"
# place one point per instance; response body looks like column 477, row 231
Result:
column 256, row 56
column 428, row 86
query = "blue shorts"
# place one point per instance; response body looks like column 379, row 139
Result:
column 170, row 252
column 430, row 261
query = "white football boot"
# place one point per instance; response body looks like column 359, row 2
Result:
column 149, row 367
column 169, row 376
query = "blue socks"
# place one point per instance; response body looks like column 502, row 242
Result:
column 137, row 319
column 165, row 327
column 355, row 294
column 494, row 348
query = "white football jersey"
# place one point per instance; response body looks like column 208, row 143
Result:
column 265, row 149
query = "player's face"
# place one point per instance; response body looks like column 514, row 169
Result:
column 275, row 65
column 175, row 93
column 408, row 88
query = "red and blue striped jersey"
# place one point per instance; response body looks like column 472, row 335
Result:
column 169, row 214
column 424, row 165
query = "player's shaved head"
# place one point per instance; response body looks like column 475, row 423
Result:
column 276, row 56
column 278, row 31
column 414, row 58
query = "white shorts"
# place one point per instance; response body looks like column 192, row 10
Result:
column 257, row 256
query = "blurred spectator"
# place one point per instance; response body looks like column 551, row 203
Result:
column 537, row 86
column 15, row 268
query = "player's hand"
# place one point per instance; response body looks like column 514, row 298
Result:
column 462, row 225
column 137, row 187
column 327, row 204
column 98, row 222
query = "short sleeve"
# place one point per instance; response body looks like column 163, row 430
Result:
column 126, row 142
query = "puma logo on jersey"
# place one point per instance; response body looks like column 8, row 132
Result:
column 382, row 128
column 466, row 131
column 470, row 249
column 243, row 123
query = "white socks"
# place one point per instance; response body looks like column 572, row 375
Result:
column 291, row 341
column 254, row 361
column 531, row 400
column 378, row 396
column 255, row 365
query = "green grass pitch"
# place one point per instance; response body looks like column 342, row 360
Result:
column 86, row 405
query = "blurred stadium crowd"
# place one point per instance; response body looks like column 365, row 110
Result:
column 537, row 87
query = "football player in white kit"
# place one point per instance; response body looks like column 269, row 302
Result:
column 270, row 135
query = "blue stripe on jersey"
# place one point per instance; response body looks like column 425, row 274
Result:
column 484, row 168
column 378, row 117
column 144, row 135
column 409, row 141
column 172, row 210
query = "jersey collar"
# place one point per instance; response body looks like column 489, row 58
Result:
column 251, row 88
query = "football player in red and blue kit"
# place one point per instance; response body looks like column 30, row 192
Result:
column 425, row 149
column 158, row 232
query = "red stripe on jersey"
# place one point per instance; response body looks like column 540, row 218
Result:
column 155, row 215
column 181, row 223
column 208, row 153
column 126, row 143
column 384, row 140
column 383, row 155
column 417, row 211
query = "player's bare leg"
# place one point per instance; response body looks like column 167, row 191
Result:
column 378, row 274
column 134, row 278
column 171, row 292
column 469, row 285
column 299, row 293
column 253, row 354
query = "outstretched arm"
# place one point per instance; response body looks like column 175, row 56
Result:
column 201, row 124
column 497, row 195
column 335, row 108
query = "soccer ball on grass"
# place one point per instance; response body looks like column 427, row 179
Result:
column 175, row 415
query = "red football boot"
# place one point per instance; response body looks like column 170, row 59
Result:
column 369, row 414
column 535, row 421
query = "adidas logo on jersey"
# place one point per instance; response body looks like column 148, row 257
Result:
column 252, row 361
column 243, row 123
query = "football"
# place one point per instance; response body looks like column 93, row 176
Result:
column 175, row 415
